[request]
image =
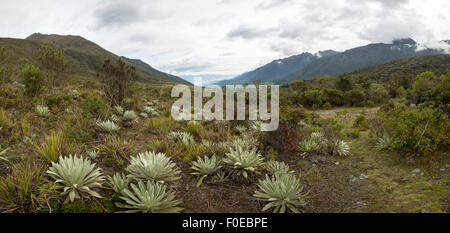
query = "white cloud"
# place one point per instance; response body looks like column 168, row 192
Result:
column 222, row 38
column 440, row 45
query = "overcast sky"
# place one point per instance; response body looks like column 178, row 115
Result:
column 223, row 38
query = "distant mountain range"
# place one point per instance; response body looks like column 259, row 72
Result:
column 84, row 57
column 307, row 66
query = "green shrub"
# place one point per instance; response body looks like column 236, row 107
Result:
column 415, row 129
column 361, row 122
column 94, row 107
column 31, row 77
column 56, row 101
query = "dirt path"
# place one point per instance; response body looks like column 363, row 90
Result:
column 373, row 181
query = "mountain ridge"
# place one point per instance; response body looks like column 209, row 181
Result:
column 83, row 56
column 339, row 63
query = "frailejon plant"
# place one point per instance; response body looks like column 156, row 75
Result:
column 384, row 142
column 244, row 161
column 119, row 182
column 240, row 129
column 185, row 138
column 115, row 118
column 246, row 142
column 149, row 197
column 152, row 166
column 42, row 110
column 341, row 148
column 93, row 154
column 276, row 167
column 256, row 126
column 107, row 126
column 151, row 111
column 74, row 94
column 309, row 145
column 77, row 176
column 129, row 116
column 282, row 191
column 143, row 115
column 205, row 167
column 118, row 109
column 317, row 136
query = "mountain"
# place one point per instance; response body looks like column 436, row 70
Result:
column 277, row 69
column 147, row 69
column 338, row 63
column 404, row 68
column 83, row 57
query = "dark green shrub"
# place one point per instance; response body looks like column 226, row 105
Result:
column 361, row 122
column 31, row 77
column 94, row 107
column 56, row 101
column 415, row 129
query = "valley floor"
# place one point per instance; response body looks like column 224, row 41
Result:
column 366, row 181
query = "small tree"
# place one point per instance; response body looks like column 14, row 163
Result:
column 53, row 60
column 116, row 79
column 423, row 86
column 31, row 77
column 2, row 61
column 377, row 93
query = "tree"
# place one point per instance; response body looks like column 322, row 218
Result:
column 315, row 97
column 344, row 84
column 31, row 77
column 401, row 92
column 54, row 62
column 298, row 85
column 423, row 86
column 377, row 93
column 2, row 61
column 116, row 79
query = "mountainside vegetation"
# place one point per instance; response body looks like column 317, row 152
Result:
column 83, row 57
column 375, row 85
column 310, row 66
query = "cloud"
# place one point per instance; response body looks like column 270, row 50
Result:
column 250, row 32
column 120, row 13
column 395, row 27
column 271, row 4
column 141, row 38
column 227, row 37
column 287, row 49
column 439, row 45
column 392, row 4
column 117, row 14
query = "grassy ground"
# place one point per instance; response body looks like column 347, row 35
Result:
column 375, row 181
column 366, row 181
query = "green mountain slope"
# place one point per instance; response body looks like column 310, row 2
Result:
column 308, row 66
column 411, row 67
column 358, row 58
column 83, row 57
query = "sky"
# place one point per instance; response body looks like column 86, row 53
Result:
column 219, row 39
